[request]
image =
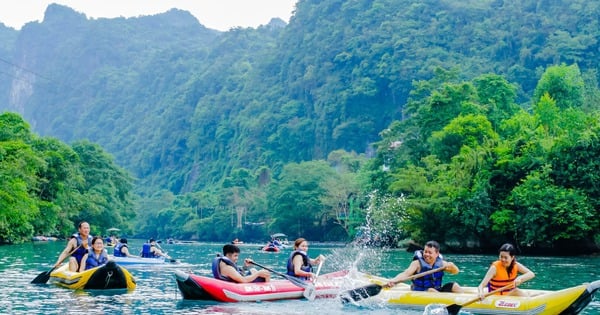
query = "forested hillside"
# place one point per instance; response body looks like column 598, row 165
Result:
column 255, row 128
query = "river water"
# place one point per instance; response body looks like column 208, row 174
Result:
column 157, row 293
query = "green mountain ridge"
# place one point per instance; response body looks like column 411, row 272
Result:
column 186, row 109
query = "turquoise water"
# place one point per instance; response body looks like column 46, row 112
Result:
column 157, row 292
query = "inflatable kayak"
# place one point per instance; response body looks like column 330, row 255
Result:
column 567, row 301
column 142, row 260
column 108, row 276
column 196, row 287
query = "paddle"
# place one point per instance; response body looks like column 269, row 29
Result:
column 304, row 285
column 311, row 293
column 43, row 277
column 374, row 289
column 455, row 308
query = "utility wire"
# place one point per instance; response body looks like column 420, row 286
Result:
column 17, row 66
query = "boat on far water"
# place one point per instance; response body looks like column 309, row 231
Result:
column 155, row 261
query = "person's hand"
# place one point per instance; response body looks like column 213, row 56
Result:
column 480, row 293
column 390, row 284
column 518, row 281
column 263, row 273
column 320, row 258
column 248, row 262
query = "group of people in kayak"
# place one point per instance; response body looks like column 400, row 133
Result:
column 502, row 275
column 299, row 265
column 86, row 252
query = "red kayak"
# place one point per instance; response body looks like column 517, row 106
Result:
column 269, row 248
column 195, row 287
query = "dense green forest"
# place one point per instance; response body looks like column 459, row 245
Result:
column 468, row 122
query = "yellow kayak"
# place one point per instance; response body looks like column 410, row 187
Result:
column 539, row 302
column 567, row 301
column 108, row 276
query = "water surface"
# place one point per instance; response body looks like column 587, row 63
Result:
column 157, row 292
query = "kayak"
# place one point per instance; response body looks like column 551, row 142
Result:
column 108, row 276
column 567, row 301
column 142, row 260
column 196, row 287
column 269, row 248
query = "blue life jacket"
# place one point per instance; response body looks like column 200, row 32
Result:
column 146, row 252
column 80, row 251
column 217, row 272
column 117, row 250
column 429, row 281
column 93, row 261
column 306, row 266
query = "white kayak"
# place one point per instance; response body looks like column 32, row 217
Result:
column 142, row 260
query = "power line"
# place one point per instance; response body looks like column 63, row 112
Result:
column 30, row 71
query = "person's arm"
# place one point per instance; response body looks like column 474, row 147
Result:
column 317, row 260
column 231, row 273
column 451, row 268
column 71, row 245
column 297, row 262
column 526, row 274
column 125, row 251
column 411, row 270
column 488, row 276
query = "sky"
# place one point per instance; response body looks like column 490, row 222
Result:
column 221, row 15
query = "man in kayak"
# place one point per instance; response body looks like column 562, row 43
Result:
column 151, row 250
column 121, row 249
column 426, row 260
column 76, row 247
column 225, row 267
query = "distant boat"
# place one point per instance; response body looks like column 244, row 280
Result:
column 281, row 238
column 41, row 238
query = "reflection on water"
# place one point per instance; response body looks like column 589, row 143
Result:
column 157, row 293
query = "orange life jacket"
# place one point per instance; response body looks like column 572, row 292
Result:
column 502, row 278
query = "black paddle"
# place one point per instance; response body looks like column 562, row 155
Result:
column 308, row 287
column 455, row 308
column 43, row 277
column 374, row 289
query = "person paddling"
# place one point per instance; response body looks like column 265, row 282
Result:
column 424, row 260
column 77, row 247
column 504, row 271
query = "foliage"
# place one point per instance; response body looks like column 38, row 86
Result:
column 47, row 187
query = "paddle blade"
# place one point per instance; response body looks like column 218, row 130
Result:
column 453, row 309
column 310, row 293
column 361, row 293
column 43, row 277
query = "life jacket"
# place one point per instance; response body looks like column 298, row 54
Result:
column 81, row 251
column 433, row 280
column 306, row 266
column 146, row 251
column 217, row 272
column 502, row 278
column 93, row 261
column 117, row 250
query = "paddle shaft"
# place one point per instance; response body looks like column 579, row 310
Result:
column 295, row 281
column 374, row 289
column 419, row 275
column 45, row 276
column 455, row 308
column 318, row 271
